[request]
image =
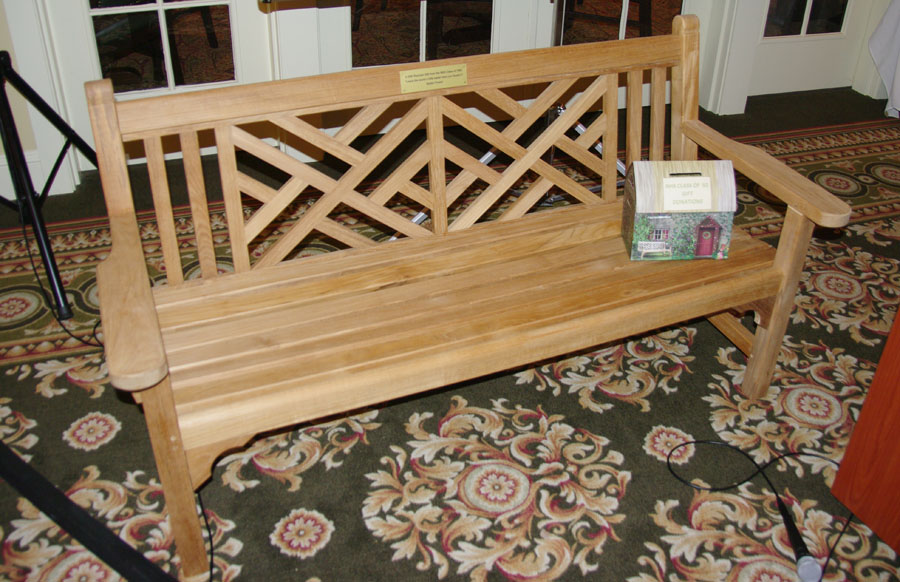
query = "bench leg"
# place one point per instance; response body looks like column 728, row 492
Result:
column 171, row 464
column 790, row 258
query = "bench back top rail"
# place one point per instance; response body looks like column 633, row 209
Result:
column 395, row 155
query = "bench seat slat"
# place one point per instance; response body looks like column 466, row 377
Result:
column 349, row 327
column 564, row 224
column 282, row 400
column 318, row 332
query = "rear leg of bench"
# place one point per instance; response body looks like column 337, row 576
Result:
column 171, row 464
column 767, row 340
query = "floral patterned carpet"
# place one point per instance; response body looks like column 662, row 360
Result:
column 556, row 472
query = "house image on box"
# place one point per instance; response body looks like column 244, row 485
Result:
column 678, row 209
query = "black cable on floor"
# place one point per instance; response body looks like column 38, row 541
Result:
column 791, row 527
column 209, row 533
column 96, row 341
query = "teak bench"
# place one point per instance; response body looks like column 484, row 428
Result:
column 489, row 282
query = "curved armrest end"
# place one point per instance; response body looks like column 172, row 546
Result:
column 135, row 357
column 134, row 382
column 791, row 187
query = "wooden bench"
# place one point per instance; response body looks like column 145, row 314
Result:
column 490, row 282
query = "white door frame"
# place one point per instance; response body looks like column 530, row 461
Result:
column 522, row 24
column 729, row 47
column 29, row 39
column 322, row 35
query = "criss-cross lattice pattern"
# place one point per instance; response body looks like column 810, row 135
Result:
column 424, row 165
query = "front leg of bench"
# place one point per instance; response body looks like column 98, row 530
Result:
column 136, row 362
column 175, row 477
column 789, row 259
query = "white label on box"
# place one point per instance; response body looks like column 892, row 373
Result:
column 687, row 193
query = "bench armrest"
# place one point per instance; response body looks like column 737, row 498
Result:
column 135, row 357
column 791, row 187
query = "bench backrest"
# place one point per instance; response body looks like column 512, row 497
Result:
column 359, row 120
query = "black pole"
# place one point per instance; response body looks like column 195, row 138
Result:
column 77, row 522
column 21, row 178
column 25, row 90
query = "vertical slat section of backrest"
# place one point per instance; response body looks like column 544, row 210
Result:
column 162, row 203
column 610, row 137
column 685, row 85
column 110, row 150
column 657, row 113
column 234, row 211
column 634, row 109
column 436, row 167
column 196, row 187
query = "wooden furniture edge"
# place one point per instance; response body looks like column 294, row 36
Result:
column 791, row 187
column 134, row 361
column 354, row 88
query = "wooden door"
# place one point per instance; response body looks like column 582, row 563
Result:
column 868, row 482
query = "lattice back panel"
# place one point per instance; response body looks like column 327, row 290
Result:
column 404, row 164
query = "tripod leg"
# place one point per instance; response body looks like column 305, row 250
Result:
column 22, row 184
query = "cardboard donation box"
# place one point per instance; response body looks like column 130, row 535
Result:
column 679, row 210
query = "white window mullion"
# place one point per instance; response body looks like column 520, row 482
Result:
column 167, row 50
column 423, row 25
column 806, row 14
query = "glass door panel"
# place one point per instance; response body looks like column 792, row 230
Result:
column 826, row 16
column 801, row 17
column 456, row 28
column 153, row 44
column 200, row 44
column 118, row 3
column 385, row 32
column 131, row 51
column 599, row 20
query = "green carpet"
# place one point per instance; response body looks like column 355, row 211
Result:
column 555, row 472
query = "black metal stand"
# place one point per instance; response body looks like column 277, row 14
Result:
column 77, row 522
column 28, row 201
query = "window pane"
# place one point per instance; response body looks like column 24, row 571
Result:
column 456, row 28
column 826, row 16
column 598, row 20
column 785, row 17
column 130, row 49
column 117, row 3
column 384, row 32
column 200, row 44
